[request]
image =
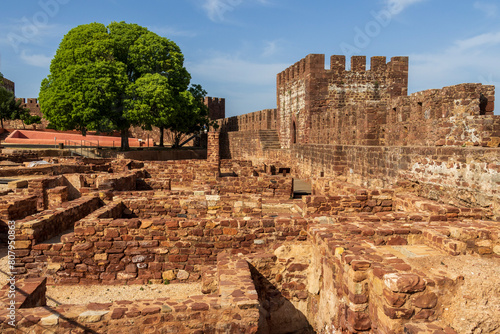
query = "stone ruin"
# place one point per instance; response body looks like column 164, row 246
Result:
column 398, row 232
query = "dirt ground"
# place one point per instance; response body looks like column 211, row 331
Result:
column 474, row 306
column 81, row 294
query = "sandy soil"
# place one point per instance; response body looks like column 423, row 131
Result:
column 474, row 306
column 58, row 295
column 4, row 266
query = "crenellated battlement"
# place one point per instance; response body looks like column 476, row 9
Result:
column 307, row 88
column 314, row 64
column 216, row 107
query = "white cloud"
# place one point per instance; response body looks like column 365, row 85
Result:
column 232, row 69
column 270, row 49
column 217, row 9
column 397, row 6
column 37, row 60
column 468, row 60
column 487, row 39
column 489, row 9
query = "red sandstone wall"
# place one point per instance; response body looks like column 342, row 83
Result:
column 232, row 307
column 259, row 120
column 34, row 107
column 116, row 251
column 306, row 88
column 216, row 107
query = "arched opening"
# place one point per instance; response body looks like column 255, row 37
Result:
column 294, row 133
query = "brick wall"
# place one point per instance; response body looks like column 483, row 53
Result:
column 115, row 251
column 306, row 88
column 216, row 107
column 464, row 176
column 362, row 290
column 232, row 307
column 259, row 120
column 185, row 174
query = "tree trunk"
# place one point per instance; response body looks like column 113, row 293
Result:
column 124, row 144
column 161, row 135
column 177, row 139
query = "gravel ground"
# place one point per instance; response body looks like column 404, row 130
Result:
column 474, row 305
column 84, row 294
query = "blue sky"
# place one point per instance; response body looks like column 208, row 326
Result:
column 235, row 48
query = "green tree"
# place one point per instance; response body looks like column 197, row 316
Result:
column 10, row 109
column 151, row 102
column 96, row 67
column 25, row 116
column 190, row 116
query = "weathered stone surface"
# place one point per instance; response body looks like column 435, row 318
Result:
column 425, row 300
column 394, row 299
column 398, row 313
column 91, row 316
column 404, row 282
column 51, row 320
column 168, row 275
column 182, row 275
column 359, row 321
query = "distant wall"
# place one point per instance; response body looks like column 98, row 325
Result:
column 164, row 155
column 259, row 120
column 8, row 85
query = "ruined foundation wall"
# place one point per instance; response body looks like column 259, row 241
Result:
column 134, row 251
column 231, row 308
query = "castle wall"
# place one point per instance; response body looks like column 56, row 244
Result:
column 216, row 107
column 307, row 89
column 259, row 120
column 8, row 85
column 361, row 125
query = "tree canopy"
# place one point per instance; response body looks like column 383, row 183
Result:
column 109, row 78
column 10, row 108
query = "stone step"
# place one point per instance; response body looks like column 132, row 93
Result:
column 269, row 139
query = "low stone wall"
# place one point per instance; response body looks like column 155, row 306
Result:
column 233, row 308
column 365, row 289
column 236, row 167
column 56, row 169
column 175, row 204
column 192, row 174
column 412, row 203
column 267, row 186
column 33, row 230
column 134, row 251
column 335, row 205
column 14, row 207
column 164, row 155
column 120, row 182
column 29, row 293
